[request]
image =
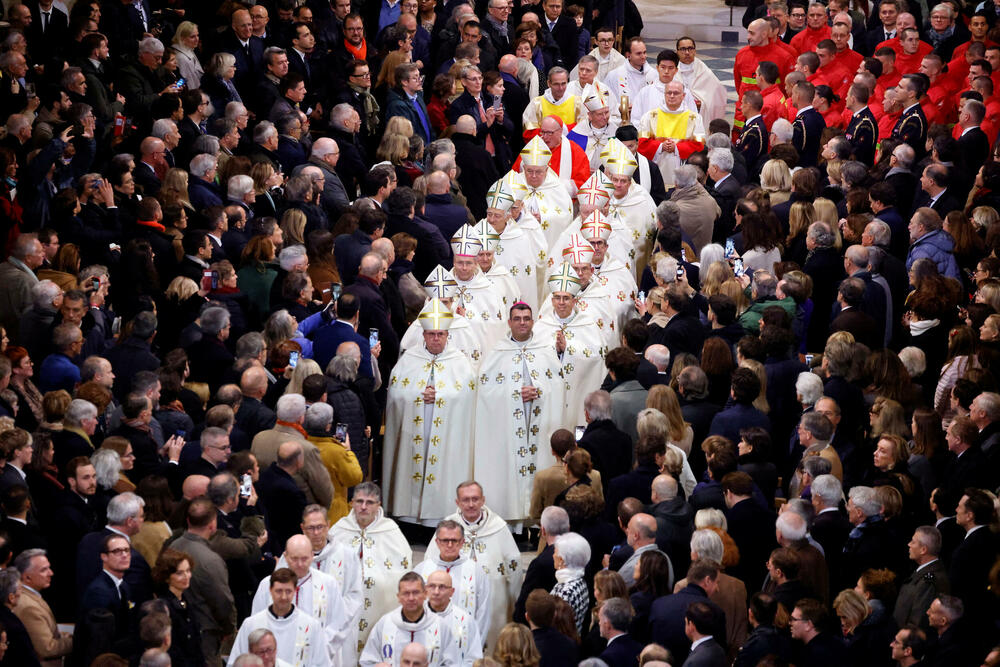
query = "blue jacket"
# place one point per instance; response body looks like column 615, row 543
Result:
column 58, row 372
column 442, row 212
column 203, row 194
column 735, row 417
column 937, row 246
column 398, row 104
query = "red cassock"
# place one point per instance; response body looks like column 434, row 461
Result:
column 580, row 165
column 809, row 38
column 685, row 148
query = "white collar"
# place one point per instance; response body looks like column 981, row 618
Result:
column 930, row 562
column 915, row 104
column 972, row 530
column 19, row 520
column 118, row 582
column 803, row 110
column 698, row 642
column 860, row 110
column 969, row 129
column 119, row 533
column 748, row 120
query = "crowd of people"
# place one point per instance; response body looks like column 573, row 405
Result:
column 319, row 317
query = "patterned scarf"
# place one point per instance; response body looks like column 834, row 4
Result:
column 371, row 107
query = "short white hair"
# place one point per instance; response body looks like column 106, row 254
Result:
column 685, row 175
column 290, row 256
column 44, row 292
column 79, row 410
column 791, row 526
column 707, row 544
column 555, row 521
column 782, row 129
column 239, row 186
column 666, row 269
column 721, row 158
column 810, row 387
column 828, row 489
column 712, row 253
column 914, row 360
column 864, row 499
column 710, row 517
column 202, row 164
column 573, row 549
column 150, row 45
column 290, row 407
column 162, row 127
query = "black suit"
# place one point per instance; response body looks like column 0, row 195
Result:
column 807, row 131
column 88, row 565
column 911, row 128
column 102, row 593
column 945, row 203
column 861, row 325
column 476, row 171
column 862, row 132
column 211, row 358
column 555, row 648
column 147, row 178
column 622, row 651
column 254, row 417
column 873, row 38
column 20, row 650
column 973, row 150
column 564, row 34
column 970, row 569
column 541, row 573
column 22, row 536
column 610, row 450
column 753, row 140
column 752, row 528
column 707, row 654
column 515, row 101
column 46, row 43
column 375, row 315
column 635, row 484
column 683, row 333
column 830, row 529
column 284, row 501
column 249, row 60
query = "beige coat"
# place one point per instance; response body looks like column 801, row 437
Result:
column 313, row 479
column 38, row 619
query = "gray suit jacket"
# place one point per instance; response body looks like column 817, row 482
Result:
column 213, row 606
column 708, row 654
column 627, row 570
column 15, row 297
column 334, row 198
column 917, row 593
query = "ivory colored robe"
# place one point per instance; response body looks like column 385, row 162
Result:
column 385, row 556
column 427, row 453
column 392, row 633
column 582, row 360
column 636, row 211
column 471, row 583
column 299, row 637
column 551, row 205
column 462, row 336
column 464, row 631
column 522, row 250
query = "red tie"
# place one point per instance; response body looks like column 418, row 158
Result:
column 489, row 140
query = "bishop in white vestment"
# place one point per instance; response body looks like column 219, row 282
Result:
column 593, row 199
column 476, row 296
column 440, row 590
column 378, row 544
column 462, row 335
column 498, row 274
column 472, row 584
column 546, row 198
column 615, row 276
column 576, row 339
column 429, row 415
column 410, row 622
column 586, row 75
column 593, row 134
column 300, row 637
column 593, row 297
column 520, row 244
column 488, row 542
column 631, row 205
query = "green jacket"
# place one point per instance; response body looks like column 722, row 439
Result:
column 750, row 319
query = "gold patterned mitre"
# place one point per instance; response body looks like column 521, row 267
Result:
column 565, row 279
column 500, row 195
column 487, row 235
column 513, row 182
column 618, row 159
column 594, row 98
column 436, row 316
column 466, row 242
column 440, row 284
column 578, row 251
column 535, row 154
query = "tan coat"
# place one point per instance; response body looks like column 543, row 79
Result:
column 313, row 479
column 550, row 482
column 40, row 622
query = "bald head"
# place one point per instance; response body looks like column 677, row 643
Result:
column 150, row 146
column 253, row 382
column 384, row 247
column 642, row 530
column 371, row 265
column 664, row 488
column 349, row 349
column 440, row 578
column 414, row 655
column 508, row 64
column 465, row 125
column 438, row 183
column 298, row 545
column 290, row 456
column 195, row 486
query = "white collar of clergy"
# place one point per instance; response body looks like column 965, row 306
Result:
column 548, row 95
column 270, row 610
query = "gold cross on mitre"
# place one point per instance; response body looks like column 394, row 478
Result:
column 500, row 195
column 466, row 242
column 435, row 316
column 535, row 153
column 618, row 159
column 565, row 280
column 487, row 235
column 440, row 284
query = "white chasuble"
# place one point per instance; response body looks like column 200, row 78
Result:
column 551, row 205
column 482, row 304
column 504, row 284
column 637, row 212
column 462, row 336
column 393, row 632
column 619, row 245
column 464, row 632
column 522, row 250
column 427, row 453
column 385, row 556
column 490, row 544
column 582, row 360
column 299, row 636
column 621, row 287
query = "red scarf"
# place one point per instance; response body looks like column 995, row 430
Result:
column 151, row 224
column 293, row 425
column 359, row 52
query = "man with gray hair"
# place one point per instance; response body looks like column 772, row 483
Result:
column 698, row 209
column 202, row 190
column 34, row 612
column 324, row 156
column 36, row 322
column 929, row 240
column 313, row 478
column 674, row 518
column 869, row 544
column 541, row 572
column 829, row 526
column 613, row 620
column 125, row 518
column 928, row 581
column 18, row 277
column 209, row 357
column 641, row 536
column 135, row 81
column 725, row 189
column 604, row 441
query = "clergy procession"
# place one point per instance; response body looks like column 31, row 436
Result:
column 412, row 333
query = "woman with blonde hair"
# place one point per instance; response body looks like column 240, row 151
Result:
column 65, row 267
column 608, row 585
column 866, row 635
column 186, row 40
column 985, row 217
column 653, row 424
column 826, row 211
column 399, row 125
column 758, row 368
column 126, row 461
column 735, row 291
column 305, row 368
column 713, row 277
column 663, row 398
column 988, row 293
column 887, row 417
column 516, row 647
column 800, row 216
column 394, row 148
column 293, row 226
column 174, row 189
column 386, row 79
column 776, row 179
column 265, row 179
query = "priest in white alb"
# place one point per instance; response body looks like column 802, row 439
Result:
column 631, row 205
column 669, row 133
column 316, row 593
column 605, row 53
column 521, row 246
column 610, row 272
column 488, row 542
column 472, row 584
column 593, row 134
column 479, row 301
column 495, row 272
column 593, row 297
column 577, row 341
column 585, row 75
column 701, row 81
column 376, row 541
column 429, row 415
column 408, row 623
column 300, row 638
column 555, row 101
column 334, row 558
column 519, row 404
column 440, row 591
column 633, row 75
column 547, row 199
column 652, row 95
column 462, row 336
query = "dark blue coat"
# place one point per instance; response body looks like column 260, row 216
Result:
column 666, row 619
column 806, row 133
column 88, row 565
column 398, row 104
column 283, row 503
column 203, row 194
column 736, row 417
column 443, row 213
column 327, row 338
column 348, row 249
column 101, row 593
column 622, row 652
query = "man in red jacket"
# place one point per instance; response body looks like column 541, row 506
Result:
column 757, row 49
column 816, row 29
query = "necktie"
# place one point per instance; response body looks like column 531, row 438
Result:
column 552, row 26
column 482, row 116
column 305, row 62
column 45, row 21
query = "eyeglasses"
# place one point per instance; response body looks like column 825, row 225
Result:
column 120, row 551
column 448, row 540
column 364, row 75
